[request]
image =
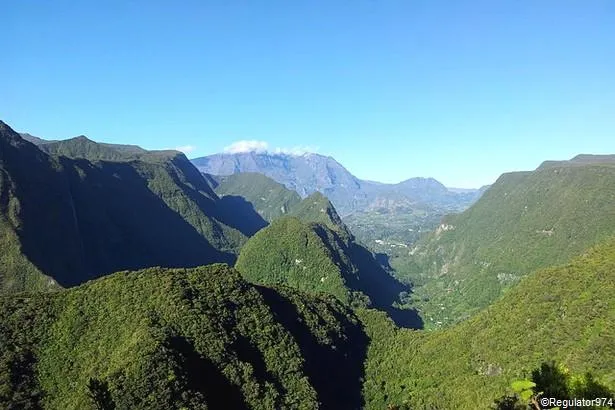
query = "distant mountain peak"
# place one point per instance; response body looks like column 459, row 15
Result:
column 311, row 172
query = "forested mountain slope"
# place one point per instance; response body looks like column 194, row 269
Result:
column 525, row 221
column 315, row 258
column 73, row 219
column 269, row 198
column 565, row 314
column 178, row 338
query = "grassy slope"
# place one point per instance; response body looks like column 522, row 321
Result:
column 269, row 198
column 564, row 313
column 178, row 338
column 525, row 221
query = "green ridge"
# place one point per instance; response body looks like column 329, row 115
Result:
column 185, row 338
column 313, row 258
column 525, row 221
column 290, row 252
column 563, row 313
column 103, row 216
column 269, row 198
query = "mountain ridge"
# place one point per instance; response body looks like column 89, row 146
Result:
column 102, row 215
column 312, row 172
column 525, row 221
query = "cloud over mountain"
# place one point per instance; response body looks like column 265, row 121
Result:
column 246, row 146
column 186, row 149
column 243, row 146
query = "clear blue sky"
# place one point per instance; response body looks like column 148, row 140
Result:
column 457, row 90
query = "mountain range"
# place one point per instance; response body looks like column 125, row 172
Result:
column 311, row 172
column 130, row 280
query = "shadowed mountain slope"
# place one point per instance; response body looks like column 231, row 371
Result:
column 269, row 198
column 74, row 219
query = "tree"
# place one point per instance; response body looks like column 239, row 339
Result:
column 100, row 395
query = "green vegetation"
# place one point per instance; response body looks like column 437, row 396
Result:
column 525, row 221
column 103, row 216
column 555, row 382
column 269, row 198
column 313, row 258
column 392, row 231
column 280, row 331
column 184, row 338
column 291, row 252
column 82, row 147
column 316, row 208
column 565, row 314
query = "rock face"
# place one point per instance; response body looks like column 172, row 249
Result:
column 309, row 173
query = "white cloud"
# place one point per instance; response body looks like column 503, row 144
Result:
column 263, row 146
column 297, row 150
column 186, row 149
column 246, row 146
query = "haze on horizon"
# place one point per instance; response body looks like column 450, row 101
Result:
column 460, row 92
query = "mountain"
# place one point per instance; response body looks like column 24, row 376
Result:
column 525, row 221
column 304, row 174
column 34, row 140
column 309, row 173
column 82, row 147
column 564, row 314
column 313, row 251
column 101, row 216
column 178, row 338
column 269, row 198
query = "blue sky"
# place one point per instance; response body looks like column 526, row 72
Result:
column 457, row 90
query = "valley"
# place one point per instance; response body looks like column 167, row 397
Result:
column 166, row 287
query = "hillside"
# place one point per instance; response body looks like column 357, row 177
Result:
column 103, row 216
column 565, row 314
column 525, row 221
column 185, row 338
column 314, row 258
column 269, row 198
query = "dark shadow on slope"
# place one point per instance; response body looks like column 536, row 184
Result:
column 235, row 211
column 383, row 260
column 120, row 224
column 247, row 352
column 203, row 377
column 382, row 288
column 363, row 273
column 336, row 372
column 35, row 200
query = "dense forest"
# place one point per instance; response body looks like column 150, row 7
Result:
column 130, row 280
